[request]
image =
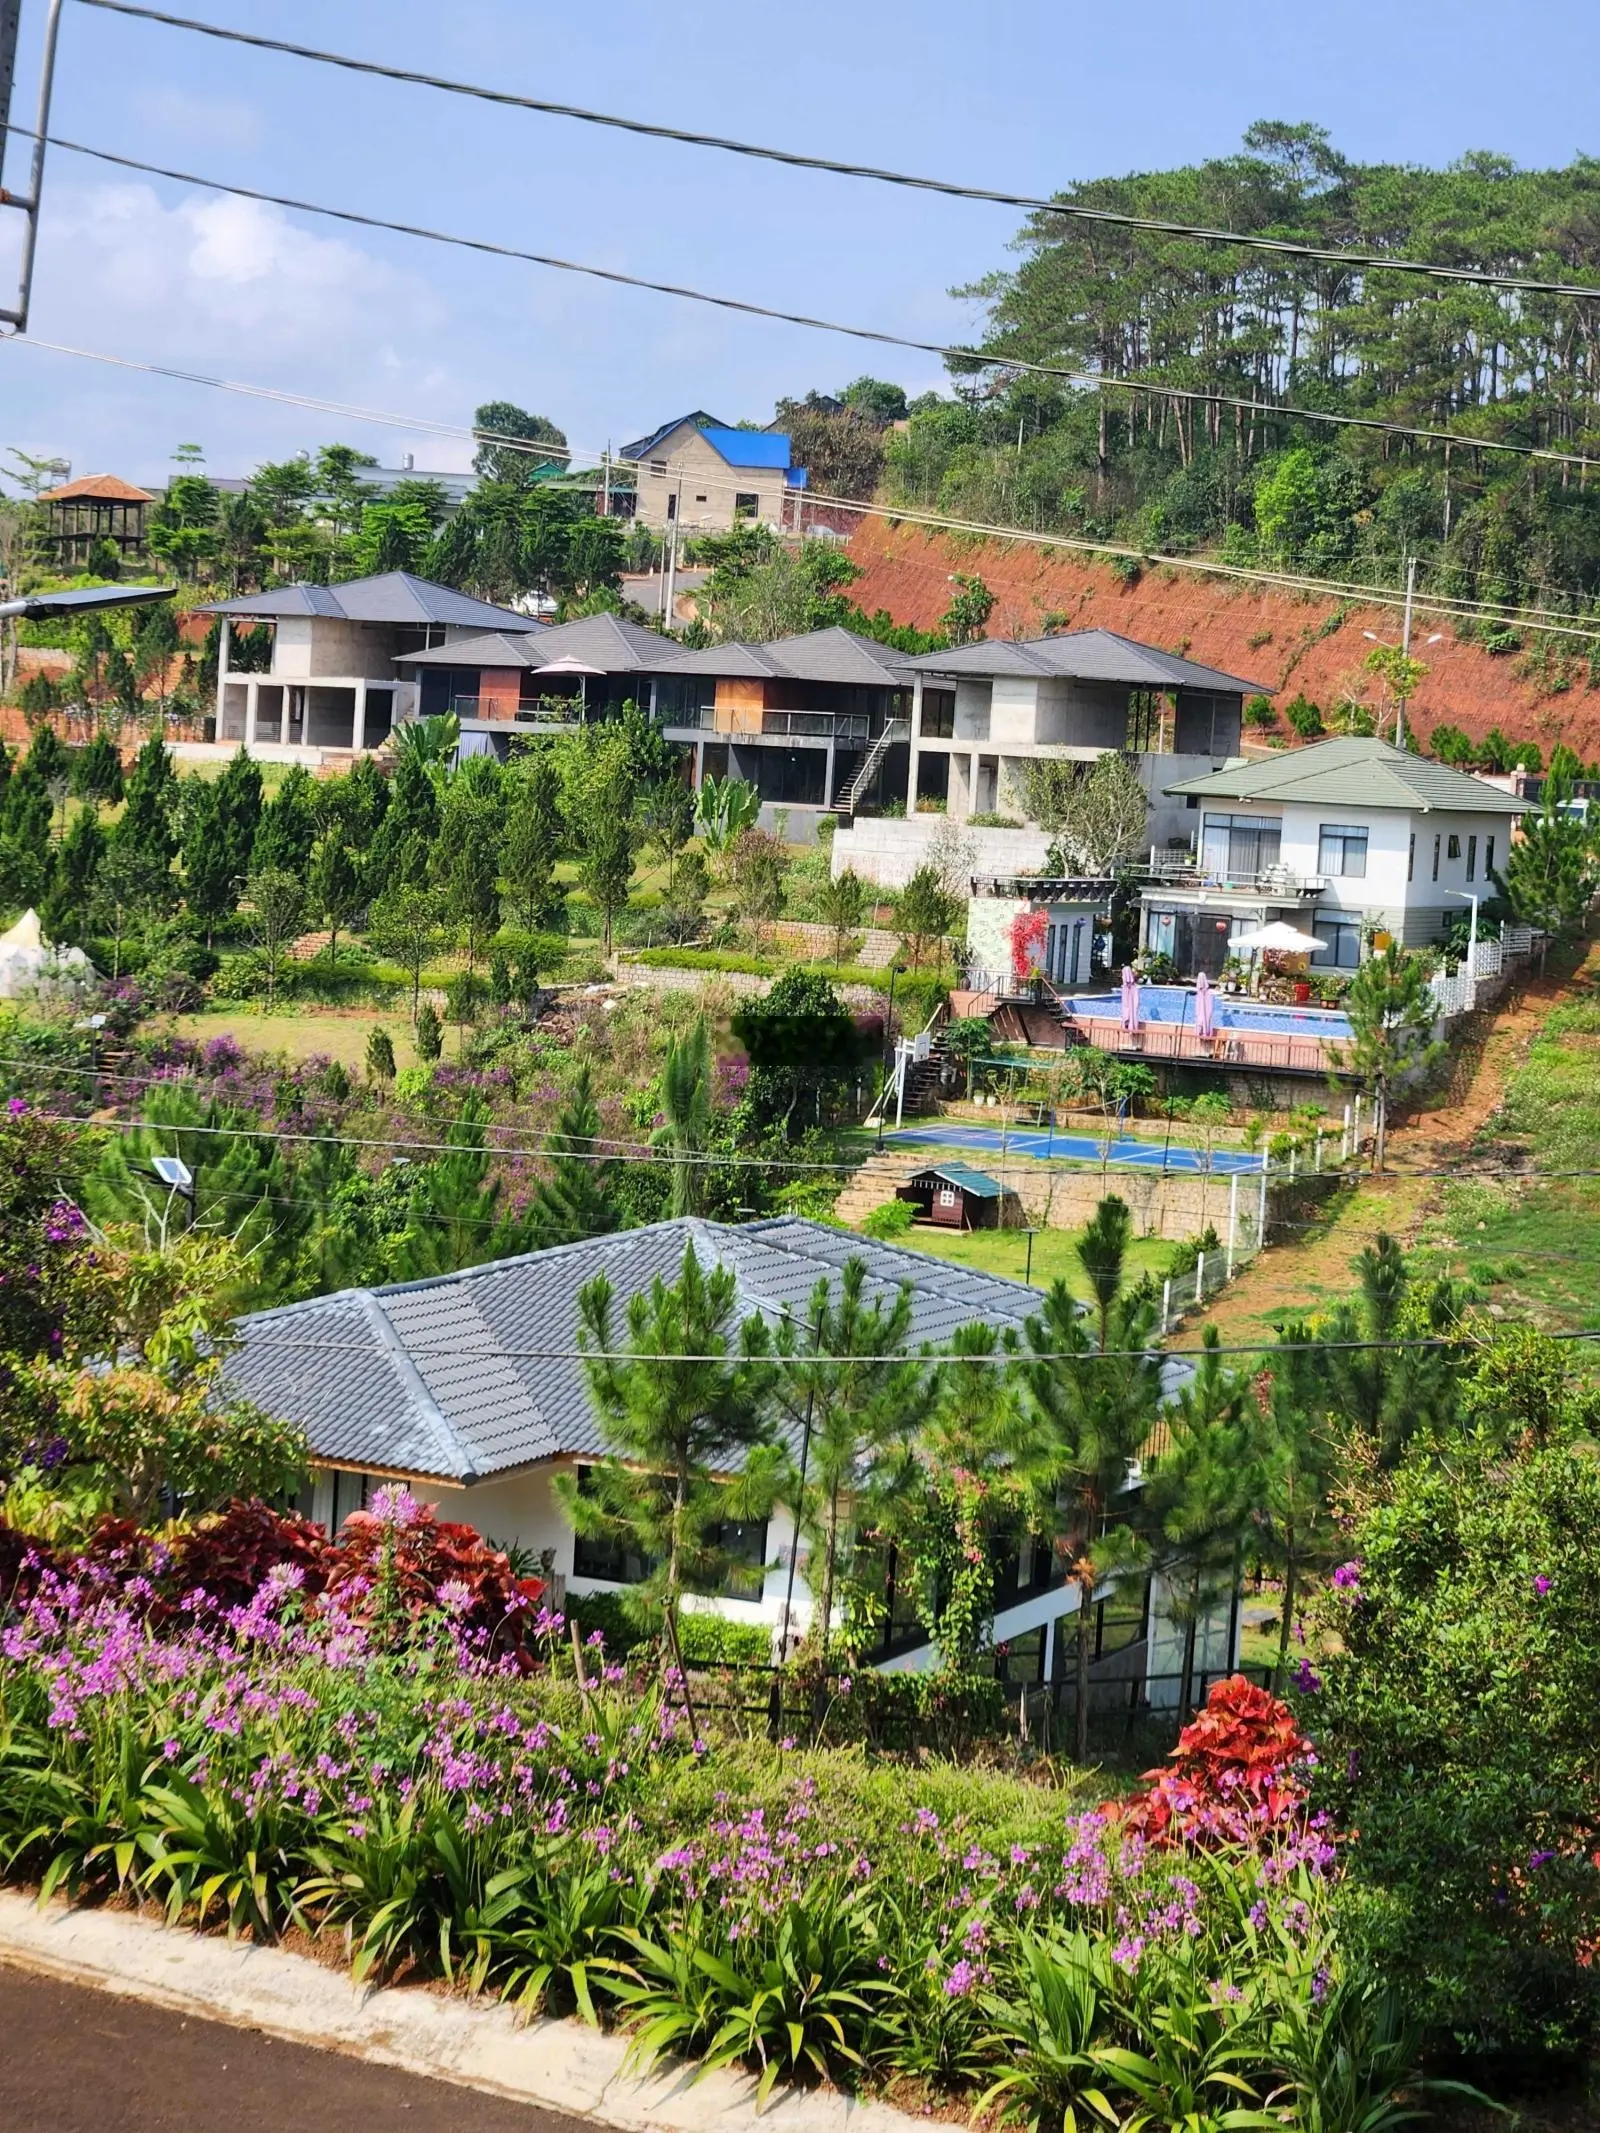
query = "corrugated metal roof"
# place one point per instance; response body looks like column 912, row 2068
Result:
column 453, row 1377
column 1353, row 771
column 749, row 448
column 391, row 596
column 964, row 1178
column 1088, row 655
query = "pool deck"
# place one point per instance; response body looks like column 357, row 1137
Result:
column 1261, row 1051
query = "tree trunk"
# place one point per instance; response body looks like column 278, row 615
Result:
column 1186, row 1683
column 1080, row 1727
column 1280, row 1672
column 1381, row 1134
column 830, row 1556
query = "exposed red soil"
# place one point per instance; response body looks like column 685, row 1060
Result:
column 1273, row 638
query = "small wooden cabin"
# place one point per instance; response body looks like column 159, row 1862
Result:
column 958, row 1197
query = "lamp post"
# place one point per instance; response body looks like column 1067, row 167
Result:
column 1404, row 647
column 1469, row 896
column 888, row 1039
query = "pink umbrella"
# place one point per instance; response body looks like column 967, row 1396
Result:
column 1130, row 998
column 1205, row 1007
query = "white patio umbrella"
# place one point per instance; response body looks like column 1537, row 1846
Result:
column 1276, row 939
column 580, row 669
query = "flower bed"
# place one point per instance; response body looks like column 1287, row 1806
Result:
column 373, row 1757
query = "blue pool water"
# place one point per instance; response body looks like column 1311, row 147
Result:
column 1175, row 1003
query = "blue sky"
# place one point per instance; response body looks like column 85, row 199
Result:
column 1024, row 94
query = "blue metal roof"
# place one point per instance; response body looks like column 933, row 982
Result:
column 749, row 448
column 964, row 1178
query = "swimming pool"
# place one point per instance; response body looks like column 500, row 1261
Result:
column 1175, row 1003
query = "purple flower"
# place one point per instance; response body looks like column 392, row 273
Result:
column 1347, row 1578
column 961, row 1980
column 1306, row 1678
column 1541, row 1586
column 1538, row 1859
column 17, row 1107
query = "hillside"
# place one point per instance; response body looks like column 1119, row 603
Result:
column 1290, row 644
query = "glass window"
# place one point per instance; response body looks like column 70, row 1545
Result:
column 1122, row 1618
column 1453, row 849
column 1342, row 849
column 1488, row 859
column 1341, row 943
column 672, row 506
column 1472, row 859
column 1411, row 858
column 938, row 714
column 1436, row 859
column 746, row 503
column 1239, row 847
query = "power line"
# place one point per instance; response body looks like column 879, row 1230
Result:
column 1097, row 381
column 1004, row 1360
column 892, row 513
column 1198, row 232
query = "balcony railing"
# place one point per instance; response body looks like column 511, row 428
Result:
column 818, row 725
column 1184, row 871
column 691, row 718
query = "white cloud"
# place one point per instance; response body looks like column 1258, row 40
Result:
column 236, row 277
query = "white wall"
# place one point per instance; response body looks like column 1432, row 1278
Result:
column 890, row 852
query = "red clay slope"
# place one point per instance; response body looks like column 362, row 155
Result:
column 1286, row 642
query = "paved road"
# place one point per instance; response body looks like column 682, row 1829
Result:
column 75, row 2061
column 1042, row 1144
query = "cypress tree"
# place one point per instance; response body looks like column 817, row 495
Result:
column 403, row 842
column 573, row 1201
column 288, row 827
column 66, row 912
column 146, row 826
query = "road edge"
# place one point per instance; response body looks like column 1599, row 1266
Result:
column 553, row 2065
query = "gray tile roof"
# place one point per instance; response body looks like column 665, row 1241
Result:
column 831, row 655
column 604, row 641
column 454, row 1378
column 1352, row 771
column 392, row 596
column 1087, row 655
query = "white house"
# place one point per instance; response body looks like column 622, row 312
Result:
column 335, row 683
column 469, row 1387
column 1346, row 839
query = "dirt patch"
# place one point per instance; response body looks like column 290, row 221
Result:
column 1283, row 641
column 1449, row 1137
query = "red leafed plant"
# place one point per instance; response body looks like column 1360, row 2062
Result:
column 1237, row 1772
column 229, row 1555
column 23, row 1561
column 421, row 1562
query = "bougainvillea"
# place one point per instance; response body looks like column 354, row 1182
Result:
column 1029, row 932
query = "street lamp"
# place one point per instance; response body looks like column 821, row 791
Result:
column 173, row 1172
column 1470, row 896
column 1404, row 646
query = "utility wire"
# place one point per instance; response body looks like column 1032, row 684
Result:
column 1199, row 232
column 974, row 358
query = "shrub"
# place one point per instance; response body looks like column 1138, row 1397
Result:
column 890, row 1221
column 1304, row 717
column 429, row 1036
column 1238, row 1773
column 399, row 1557
column 230, row 1555
column 380, row 1056
column 1259, row 712
column 1455, row 1722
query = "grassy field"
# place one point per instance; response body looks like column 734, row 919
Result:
column 1005, row 1252
column 1532, row 1244
column 303, row 1033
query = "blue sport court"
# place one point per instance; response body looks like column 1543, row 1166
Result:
column 1040, row 1143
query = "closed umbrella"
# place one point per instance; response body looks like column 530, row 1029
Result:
column 1130, row 999
column 1205, row 1007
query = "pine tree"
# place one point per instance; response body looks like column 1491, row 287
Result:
column 683, row 1394
column 1392, row 1012
column 380, row 1057
column 334, row 885
column 97, row 771
column 1552, row 871
column 573, row 1201
column 210, row 887
column 239, row 812
column 531, row 844
column 402, row 845
column 48, row 756
column 78, row 860
column 467, row 864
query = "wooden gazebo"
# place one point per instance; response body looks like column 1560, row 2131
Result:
column 95, row 507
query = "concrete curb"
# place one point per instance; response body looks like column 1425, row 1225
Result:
column 562, row 2066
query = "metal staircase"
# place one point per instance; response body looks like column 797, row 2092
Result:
column 848, row 798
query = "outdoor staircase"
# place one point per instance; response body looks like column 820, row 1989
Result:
column 876, row 1182
column 848, row 798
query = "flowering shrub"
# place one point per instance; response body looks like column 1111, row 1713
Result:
column 399, row 1556
column 1238, row 1773
column 1028, row 933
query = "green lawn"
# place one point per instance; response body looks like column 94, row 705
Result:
column 303, row 1033
column 1532, row 1246
column 1005, row 1252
